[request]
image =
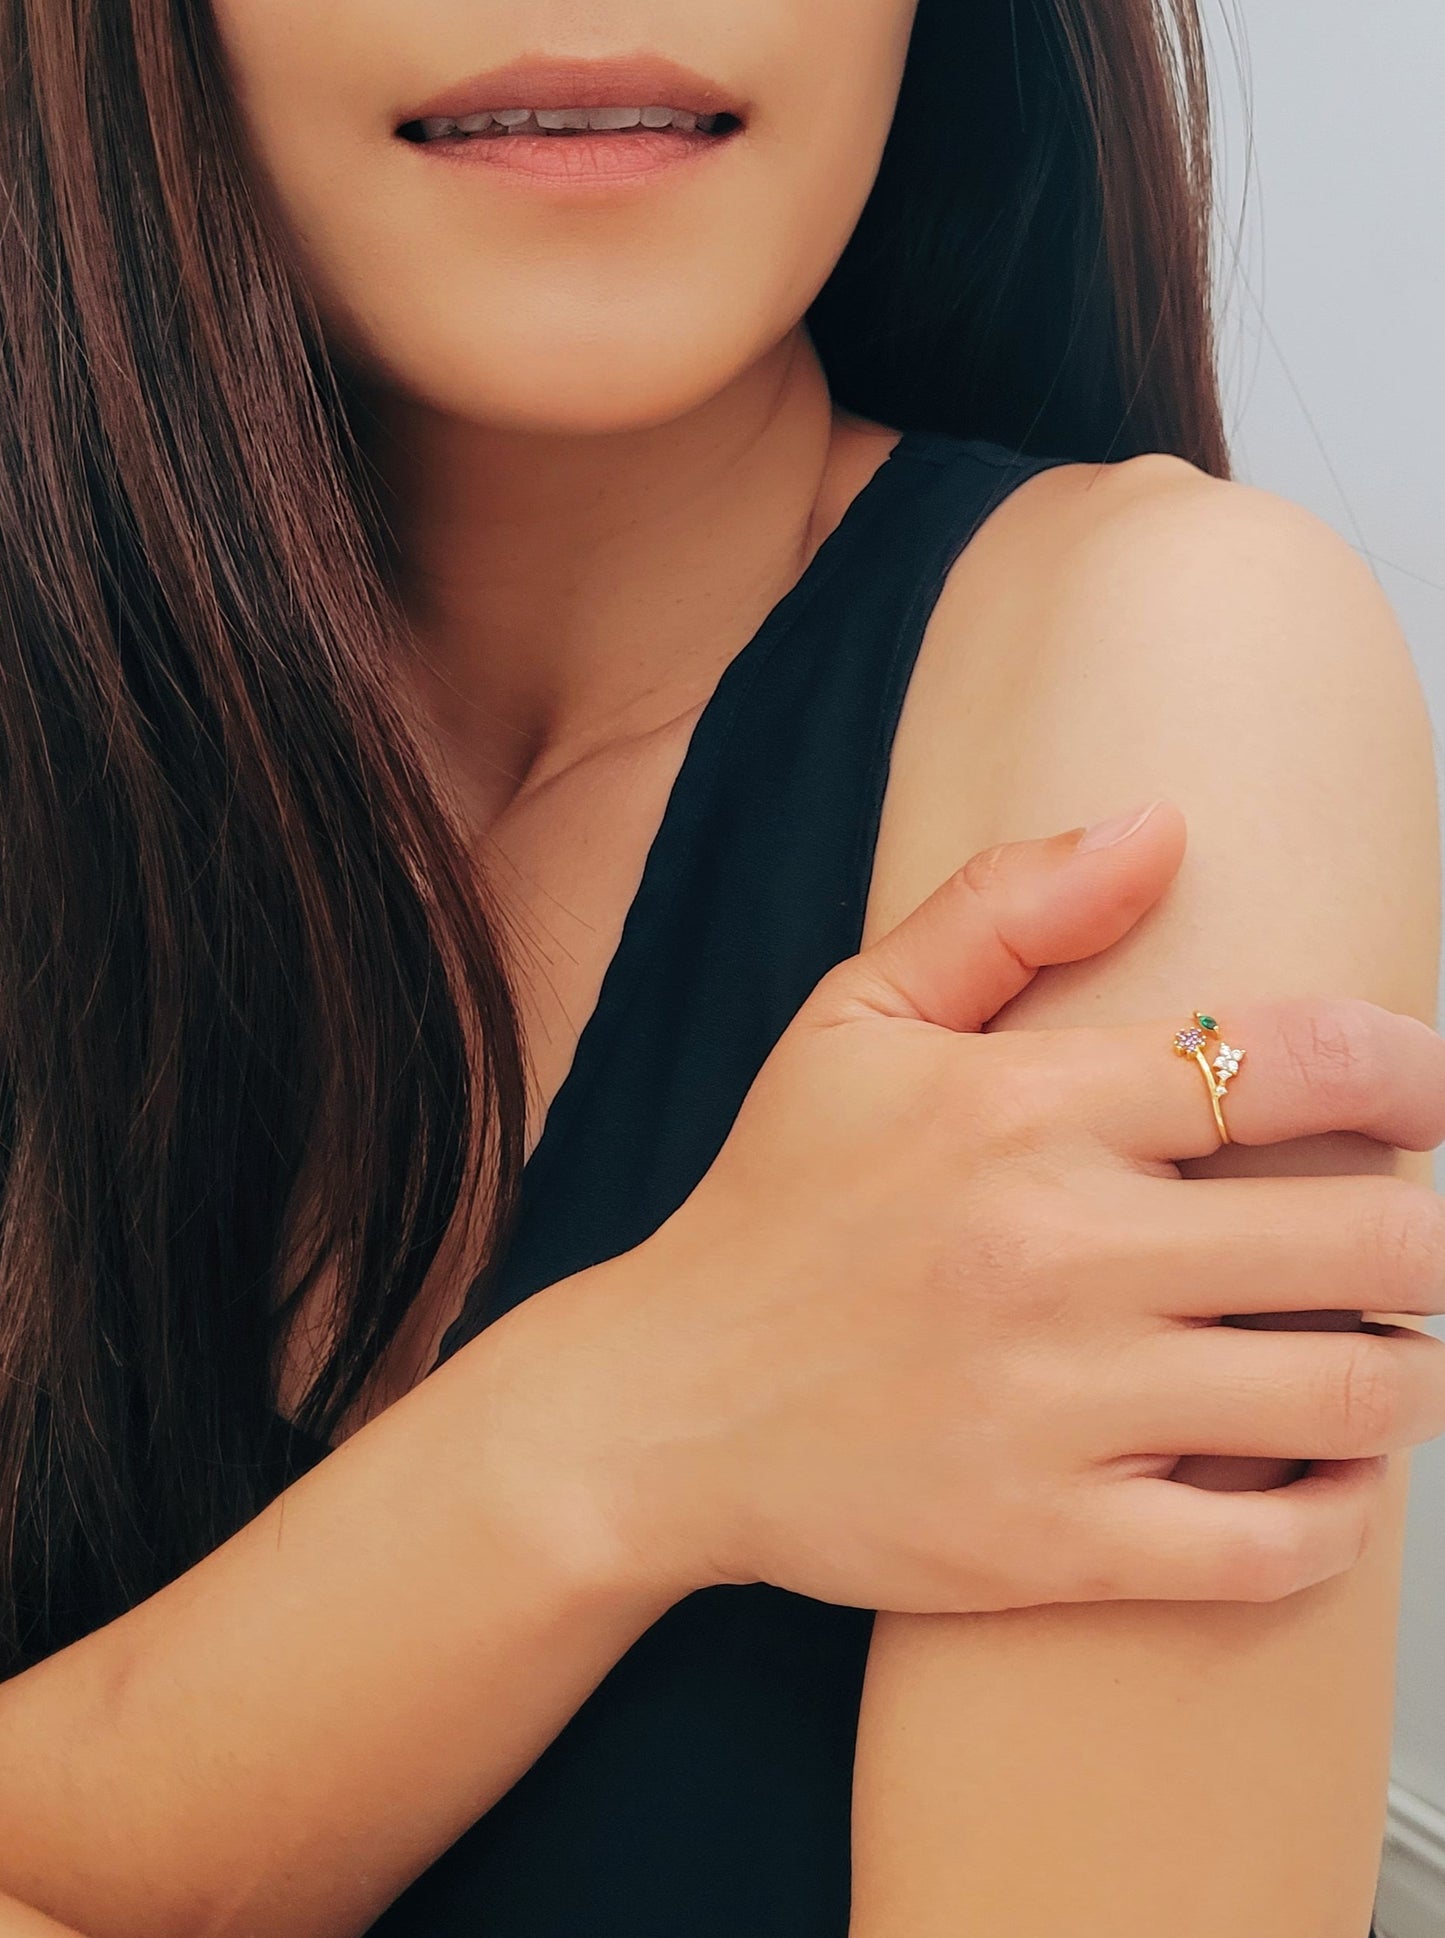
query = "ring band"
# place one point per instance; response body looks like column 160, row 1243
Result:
column 1191, row 1041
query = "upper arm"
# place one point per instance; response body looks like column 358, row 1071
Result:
column 1121, row 1770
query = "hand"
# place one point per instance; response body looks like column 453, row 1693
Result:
column 942, row 1316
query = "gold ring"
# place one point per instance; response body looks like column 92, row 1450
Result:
column 1192, row 1042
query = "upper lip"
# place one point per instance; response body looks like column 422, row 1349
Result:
column 627, row 81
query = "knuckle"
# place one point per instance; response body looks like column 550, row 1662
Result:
column 1331, row 1046
column 852, row 989
column 1095, row 1579
column 1025, row 1097
column 1405, row 1243
column 1009, row 1259
column 1427, row 1362
column 1368, row 1396
column 979, row 871
column 1372, row 1517
column 1022, row 1107
column 1063, row 1561
column 833, row 984
column 1366, row 1525
column 1266, row 1564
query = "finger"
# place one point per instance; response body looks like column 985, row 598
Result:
column 1288, row 1395
column 1209, row 1247
column 981, row 936
column 1162, row 1540
column 1310, row 1065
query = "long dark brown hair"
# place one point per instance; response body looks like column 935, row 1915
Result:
column 239, row 927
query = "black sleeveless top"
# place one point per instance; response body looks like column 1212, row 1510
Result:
column 703, row 1789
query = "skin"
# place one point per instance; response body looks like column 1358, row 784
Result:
column 21, row 1921
column 585, row 474
column 603, row 477
column 1193, row 1768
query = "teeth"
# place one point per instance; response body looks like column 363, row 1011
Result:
column 556, row 120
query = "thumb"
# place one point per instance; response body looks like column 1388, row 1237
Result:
column 982, row 935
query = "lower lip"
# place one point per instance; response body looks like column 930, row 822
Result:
column 579, row 161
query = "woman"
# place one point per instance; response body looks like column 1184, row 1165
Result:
column 515, row 625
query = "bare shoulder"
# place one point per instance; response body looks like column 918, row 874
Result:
column 1116, row 632
column 1113, row 634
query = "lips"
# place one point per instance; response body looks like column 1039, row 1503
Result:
column 628, row 81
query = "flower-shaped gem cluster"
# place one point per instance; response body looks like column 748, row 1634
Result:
column 1188, row 1042
column 1226, row 1062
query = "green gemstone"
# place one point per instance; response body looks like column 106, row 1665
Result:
column 1206, row 1022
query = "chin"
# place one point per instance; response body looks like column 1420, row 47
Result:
column 578, row 381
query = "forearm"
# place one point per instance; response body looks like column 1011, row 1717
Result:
column 287, row 1734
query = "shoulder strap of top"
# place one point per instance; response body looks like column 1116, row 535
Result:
column 757, row 880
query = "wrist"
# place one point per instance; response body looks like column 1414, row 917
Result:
column 575, row 1440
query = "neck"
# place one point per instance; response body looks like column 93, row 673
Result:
column 564, row 592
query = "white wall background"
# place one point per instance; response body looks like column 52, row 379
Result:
column 1331, row 291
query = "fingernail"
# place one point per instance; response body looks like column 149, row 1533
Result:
column 1104, row 834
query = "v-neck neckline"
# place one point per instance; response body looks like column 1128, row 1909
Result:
column 687, row 796
column 671, row 844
